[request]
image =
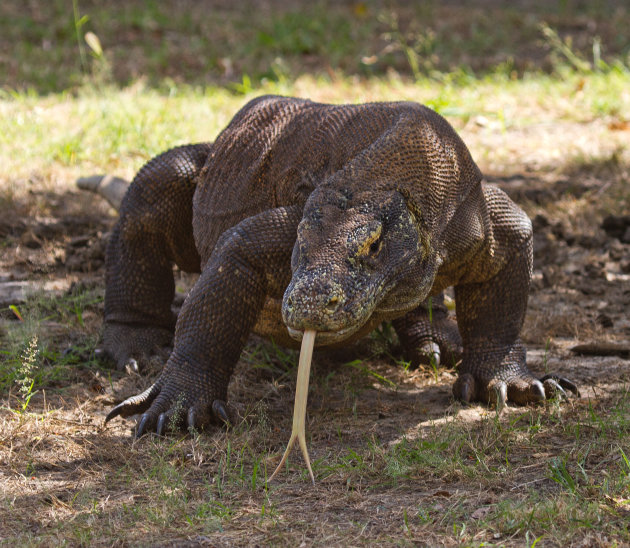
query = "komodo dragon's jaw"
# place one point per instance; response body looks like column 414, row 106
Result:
column 353, row 257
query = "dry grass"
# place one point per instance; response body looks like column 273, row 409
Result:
column 457, row 476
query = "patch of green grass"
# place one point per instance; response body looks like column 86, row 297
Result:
column 271, row 357
column 300, row 33
column 35, row 347
column 367, row 371
column 59, row 138
column 207, row 485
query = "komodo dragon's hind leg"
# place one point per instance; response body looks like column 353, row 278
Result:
column 154, row 230
column 429, row 335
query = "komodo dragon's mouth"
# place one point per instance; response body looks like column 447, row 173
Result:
column 326, row 337
column 387, row 309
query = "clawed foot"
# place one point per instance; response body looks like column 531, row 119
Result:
column 171, row 405
column 127, row 345
column 521, row 389
column 436, row 353
column 442, row 347
column 429, row 336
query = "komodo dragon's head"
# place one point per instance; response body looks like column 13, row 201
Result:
column 358, row 256
column 370, row 241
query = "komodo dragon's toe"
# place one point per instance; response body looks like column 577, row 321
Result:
column 517, row 386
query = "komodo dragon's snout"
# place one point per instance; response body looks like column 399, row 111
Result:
column 356, row 261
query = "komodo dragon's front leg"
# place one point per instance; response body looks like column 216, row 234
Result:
column 250, row 262
column 490, row 314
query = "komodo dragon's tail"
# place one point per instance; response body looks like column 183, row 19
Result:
column 111, row 188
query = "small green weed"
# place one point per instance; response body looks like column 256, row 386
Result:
column 32, row 355
column 625, row 471
column 24, row 375
column 176, row 416
column 360, row 366
column 560, row 474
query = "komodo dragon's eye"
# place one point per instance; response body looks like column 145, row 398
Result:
column 372, row 241
column 375, row 247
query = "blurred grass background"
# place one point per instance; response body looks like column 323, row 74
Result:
column 241, row 44
column 88, row 85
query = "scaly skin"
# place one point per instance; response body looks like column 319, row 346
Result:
column 309, row 216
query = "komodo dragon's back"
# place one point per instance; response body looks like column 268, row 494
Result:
column 332, row 218
column 277, row 150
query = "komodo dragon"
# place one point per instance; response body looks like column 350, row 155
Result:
column 326, row 217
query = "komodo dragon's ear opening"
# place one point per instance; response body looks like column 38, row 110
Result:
column 413, row 208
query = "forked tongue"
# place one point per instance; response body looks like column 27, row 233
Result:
column 299, row 409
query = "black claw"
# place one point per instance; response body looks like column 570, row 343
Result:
column 135, row 404
column 218, row 408
column 466, row 388
column 114, row 412
column 160, row 424
column 538, row 391
column 467, row 392
column 142, row 425
column 560, row 390
column 563, row 382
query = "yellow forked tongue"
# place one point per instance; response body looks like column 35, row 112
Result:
column 299, row 409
